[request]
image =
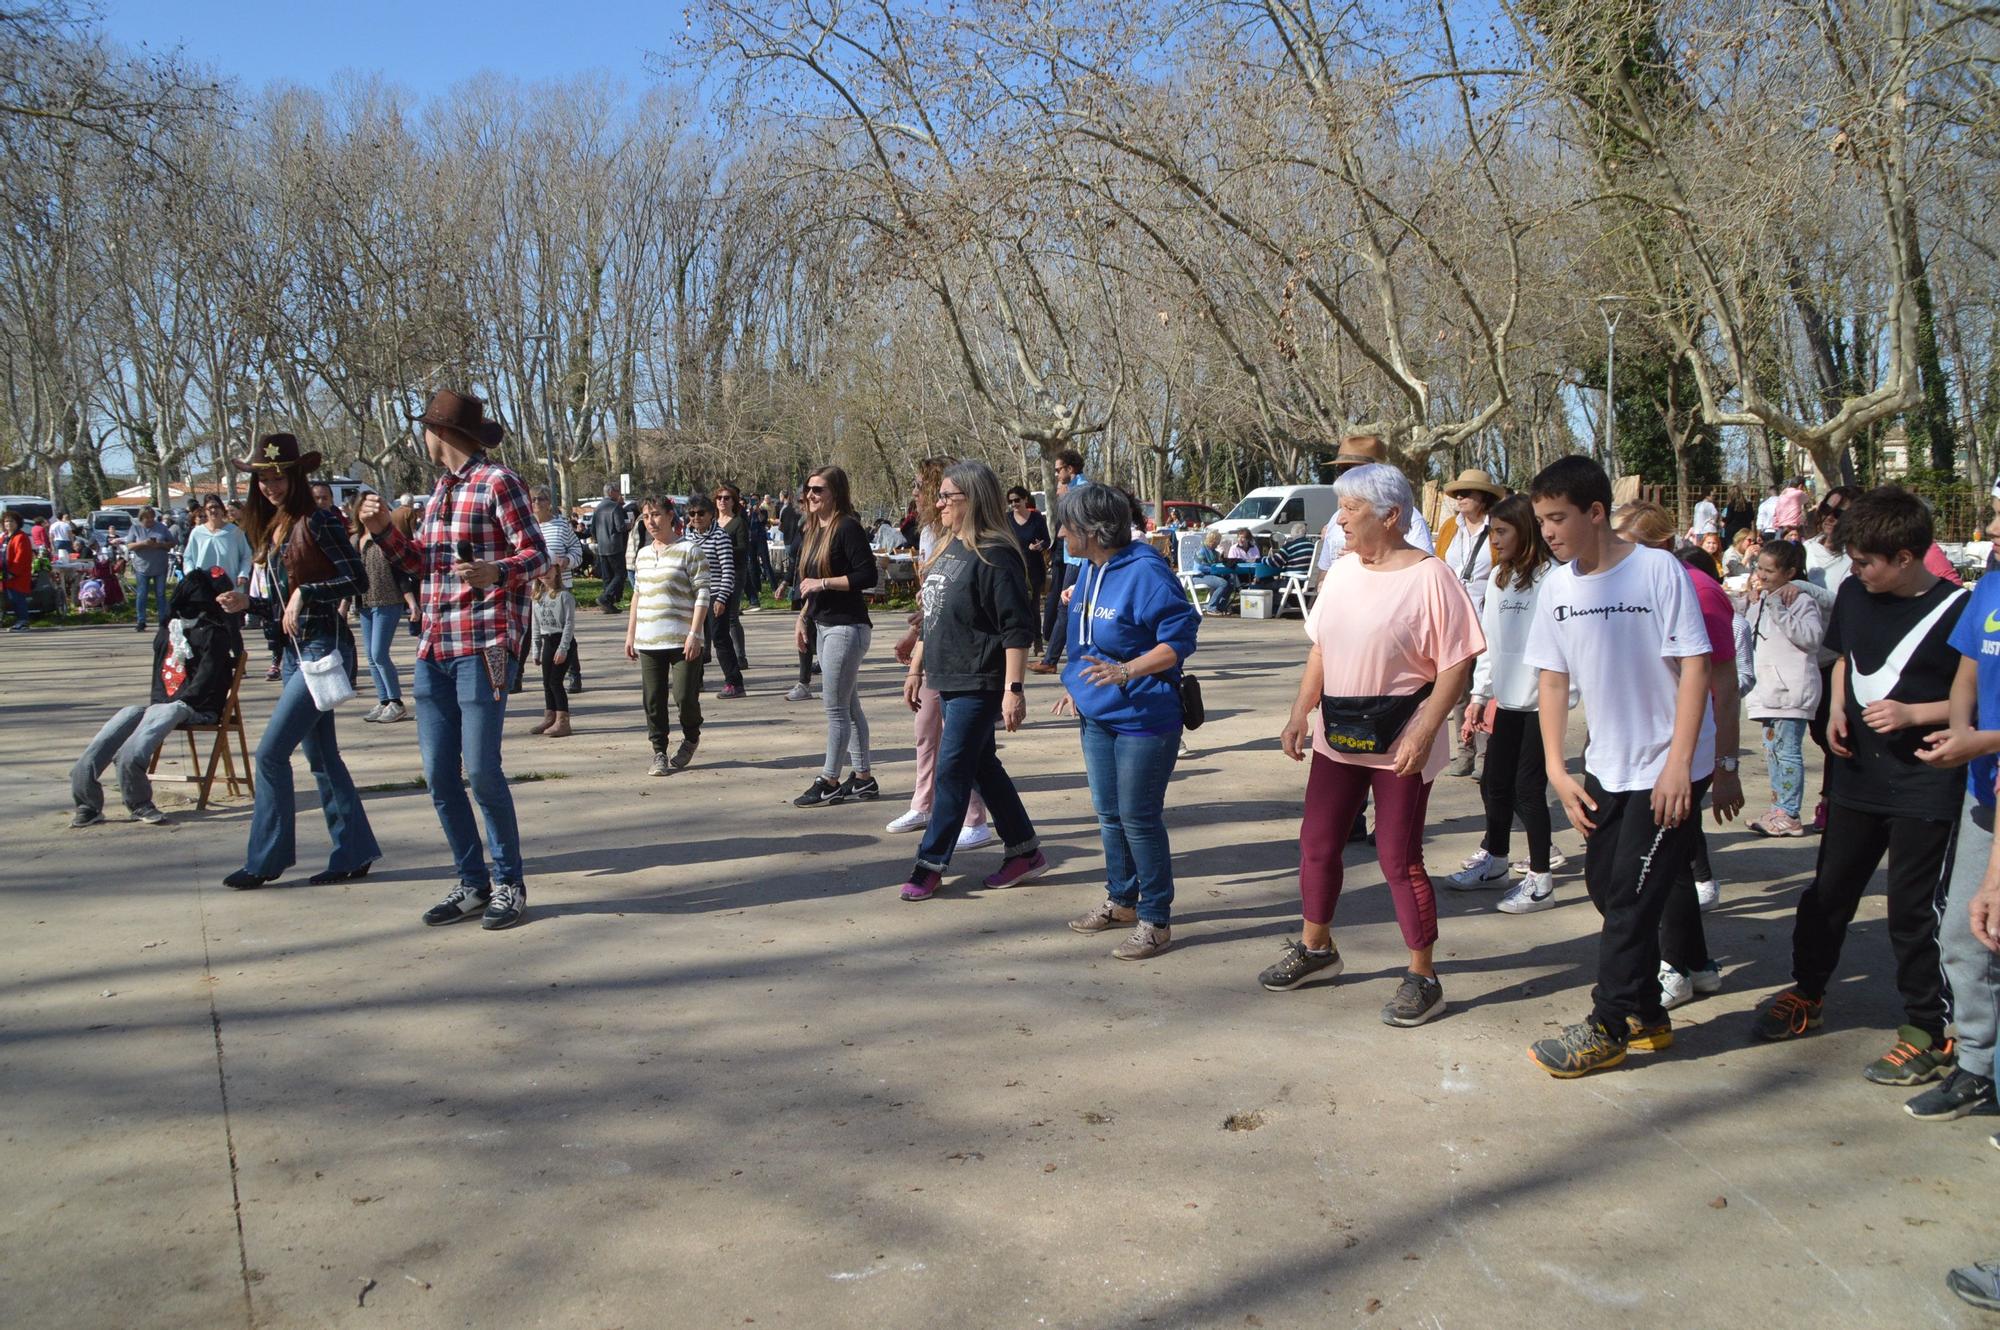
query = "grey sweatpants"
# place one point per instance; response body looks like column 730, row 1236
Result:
column 127, row 741
column 841, row 650
column 1972, row 971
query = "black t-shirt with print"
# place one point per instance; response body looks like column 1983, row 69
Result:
column 1897, row 649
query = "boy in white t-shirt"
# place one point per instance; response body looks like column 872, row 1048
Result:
column 1621, row 623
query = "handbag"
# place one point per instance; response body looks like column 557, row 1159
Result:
column 326, row 678
column 1368, row 725
column 1193, row 713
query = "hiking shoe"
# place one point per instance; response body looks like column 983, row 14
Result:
column 1535, row 892
column 1643, row 1038
column 1418, row 998
column 1676, row 989
column 799, row 693
column 659, row 767
column 858, row 786
column 151, row 816
column 1481, row 871
column 1707, row 895
column 508, row 907
column 684, row 754
column 1298, row 965
column 1557, row 862
column 821, row 791
column 1914, row 1059
column 923, row 885
column 1960, row 1093
column 1013, row 872
column 1788, row 1015
column 1146, row 942
column 909, row 820
column 1579, row 1050
column 971, row 837
column 732, row 690
column 87, row 817
column 1778, row 822
column 1105, row 915
column 1978, row 1284
column 465, row 902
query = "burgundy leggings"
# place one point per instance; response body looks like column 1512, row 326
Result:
column 1335, row 793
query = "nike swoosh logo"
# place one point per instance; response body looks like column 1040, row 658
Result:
column 1877, row 684
column 1993, row 622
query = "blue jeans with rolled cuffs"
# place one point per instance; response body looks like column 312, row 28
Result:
column 969, row 757
column 297, row 722
column 458, row 730
column 1128, row 775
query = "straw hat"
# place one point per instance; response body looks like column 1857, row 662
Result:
column 1472, row 479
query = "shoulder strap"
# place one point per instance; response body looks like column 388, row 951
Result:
column 1465, row 573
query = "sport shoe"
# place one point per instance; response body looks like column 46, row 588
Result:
column 732, row 690
column 87, row 817
column 910, row 820
column 1298, row 965
column 923, row 885
column 858, row 786
column 1643, row 1038
column 684, row 754
column 508, row 907
column 1914, row 1059
column 1557, row 862
column 1481, row 871
column 1706, row 980
column 821, row 791
column 393, row 712
column 1676, row 989
column 971, row 837
column 1460, row 765
column 1579, row 1050
column 1146, row 942
column 465, row 902
column 1979, row 1283
column 1418, row 998
column 1778, row 822
column 659, row 767
column 1535, row 892
column 271, row 675
column 1013, row 872
column 1819, row 818
column 1707, row 894
column 1104, row 916
column 375, row 713
column 151, row 816
column 1960, row 1093
column 799, row 693
column 1788, row 1015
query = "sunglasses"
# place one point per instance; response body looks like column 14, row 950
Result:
column 815, row 489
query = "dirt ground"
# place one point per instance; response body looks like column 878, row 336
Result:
column 724, row 1077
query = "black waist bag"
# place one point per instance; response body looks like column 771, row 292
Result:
column 1193, row 713
column 1368, row 725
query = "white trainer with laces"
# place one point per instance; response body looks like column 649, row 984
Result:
column 971, row 837
column 1707, row 980
column 1557, row 862
column 1533, row 893
column 911, row 820
column 1676, row 989
column 1481, row 871
column 1707, row 894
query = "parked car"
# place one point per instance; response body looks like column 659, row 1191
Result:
column 1280, row 510
column 28, row 506
column 111, row 524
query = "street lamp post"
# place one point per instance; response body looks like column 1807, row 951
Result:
column 1612, row 308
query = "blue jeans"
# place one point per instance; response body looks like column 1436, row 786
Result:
column 1128, row 776
column 18, row 602
column 378, row 627
column 297, row 723
column 458, row 731
column 968, row 757
column 1218, row 588
column 142, row 582
column 1784, row 741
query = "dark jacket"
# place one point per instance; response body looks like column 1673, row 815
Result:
column 974, row 609
column 848, row 555
column 213, row 639
column 608, row 526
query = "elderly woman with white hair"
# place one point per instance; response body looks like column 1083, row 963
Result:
column 1394, row 636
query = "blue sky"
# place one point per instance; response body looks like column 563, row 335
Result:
column 424, row 46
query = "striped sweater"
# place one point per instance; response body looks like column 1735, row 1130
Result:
column 668, row 584
column 720, row 553
column 565, row 550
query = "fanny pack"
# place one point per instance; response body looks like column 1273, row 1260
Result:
column 1368, row 725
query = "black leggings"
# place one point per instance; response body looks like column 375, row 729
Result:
column 1516, row 784
column 806, row 656
column 554, row 697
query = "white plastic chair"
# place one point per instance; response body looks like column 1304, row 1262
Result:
column 1296, row 584
column 1184, row 563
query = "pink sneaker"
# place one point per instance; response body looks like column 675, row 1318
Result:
column 1778, row 822
column 923, row 885
column 1019, row 869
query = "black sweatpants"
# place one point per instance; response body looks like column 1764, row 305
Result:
column 1850, row 849
column 1632, row 868
column 1516, row 784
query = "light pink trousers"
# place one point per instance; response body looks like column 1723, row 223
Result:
column 930, row 730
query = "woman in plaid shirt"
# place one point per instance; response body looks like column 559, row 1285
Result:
column 479, row 551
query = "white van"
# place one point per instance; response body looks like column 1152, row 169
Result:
column 1281, row 510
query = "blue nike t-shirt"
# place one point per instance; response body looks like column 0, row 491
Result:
column 1977, row 638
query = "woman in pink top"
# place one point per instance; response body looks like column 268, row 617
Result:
column 1394, row 638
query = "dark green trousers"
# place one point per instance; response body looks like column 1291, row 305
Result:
column 667, row 677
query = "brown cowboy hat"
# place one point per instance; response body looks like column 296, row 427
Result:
column 1361, row 450
column 275, row 452
column 462, row 414
column 1472, row 478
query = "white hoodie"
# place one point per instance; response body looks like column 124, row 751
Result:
column 1501, row 673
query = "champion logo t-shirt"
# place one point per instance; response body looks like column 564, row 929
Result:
column 1614, row 633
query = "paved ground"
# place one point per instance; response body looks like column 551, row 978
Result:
column 723, row 1077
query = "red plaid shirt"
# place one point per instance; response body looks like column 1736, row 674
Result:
column 486, row 504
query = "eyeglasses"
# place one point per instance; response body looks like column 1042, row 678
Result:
column 946, row 496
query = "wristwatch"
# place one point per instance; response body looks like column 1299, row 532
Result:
column 1727, row 764
column 1016, row 690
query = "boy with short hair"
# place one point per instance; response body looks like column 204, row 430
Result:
column 1891, row 628
column 1620, row 621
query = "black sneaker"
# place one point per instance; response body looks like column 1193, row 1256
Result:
column 857, row 786
column 465, row 902
column 508, row 907
column 1418, row 998
column 684, row 754
column 151, row 816
column 823, row 791
column 1963, row 1092
column 1299, row 965
column 1579, row 1050
column 87, row 817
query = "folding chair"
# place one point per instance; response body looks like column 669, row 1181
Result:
column 1184, row 566
column 1297, row 583
column 230, row 719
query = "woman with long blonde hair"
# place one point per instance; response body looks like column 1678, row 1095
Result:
column 836, row 566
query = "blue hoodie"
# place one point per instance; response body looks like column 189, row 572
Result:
column 1118, row 611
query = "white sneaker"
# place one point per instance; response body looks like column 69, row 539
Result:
column 1533, row 893
column 1707, row 980
column 911, row 820
column 800, row 693
column 1557, row 862
column 376, row 715
column 1481, row 871
column 1676, row 989
column 1706, row 894
column 971, row 837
